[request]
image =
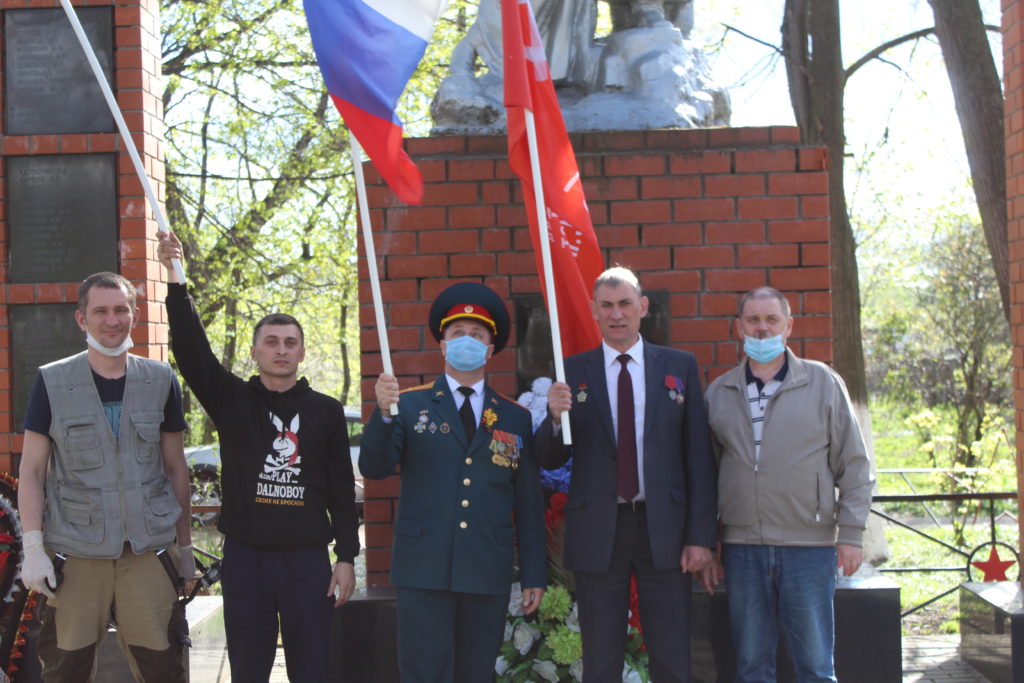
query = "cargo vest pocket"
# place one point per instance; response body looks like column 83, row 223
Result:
column 147, row 443
column 80, row 518
column 82, row 448
column 161, row 510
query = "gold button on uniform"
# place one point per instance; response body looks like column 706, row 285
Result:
column 463, row 525
column 465, row 503
column 466, row 481
column 469, row 461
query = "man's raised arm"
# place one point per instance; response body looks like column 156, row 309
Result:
column 196, row 361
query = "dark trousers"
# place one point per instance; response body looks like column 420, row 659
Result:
column 445, row 636
column 262, row 587
column 664, row 596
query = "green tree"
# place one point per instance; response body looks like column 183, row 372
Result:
column 259, row 179
column 940, row 347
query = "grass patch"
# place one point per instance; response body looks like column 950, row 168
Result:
column 902, row 442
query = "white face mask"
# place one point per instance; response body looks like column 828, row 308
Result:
column 106, row 351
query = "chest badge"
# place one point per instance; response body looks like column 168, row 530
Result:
column 505, row 448
column 676, row 388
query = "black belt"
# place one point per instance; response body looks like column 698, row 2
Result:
column 634, row 506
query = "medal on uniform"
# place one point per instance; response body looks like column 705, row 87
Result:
column 676, row 389
column 498, row 449
column 421, row 423
column 432, row 428
column 581, row 395
column 505, row 447
column 445, row 428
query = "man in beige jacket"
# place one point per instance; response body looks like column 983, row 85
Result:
column 794, row 492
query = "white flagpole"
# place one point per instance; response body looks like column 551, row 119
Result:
column 371, row 257
column 545, row 252
column 126, row 135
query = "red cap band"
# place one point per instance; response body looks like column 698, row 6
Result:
column 471, row 311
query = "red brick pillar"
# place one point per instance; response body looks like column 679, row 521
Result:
column 1013, row 80
column 138, row 88
column 703, row 215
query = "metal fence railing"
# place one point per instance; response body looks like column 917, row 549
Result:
column 988, row 500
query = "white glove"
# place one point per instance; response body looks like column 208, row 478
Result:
column 37, row 570
column 186, row 563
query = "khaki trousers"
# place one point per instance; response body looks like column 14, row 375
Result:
column 135, row 592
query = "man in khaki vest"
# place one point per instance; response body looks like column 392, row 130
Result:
column 104, row 491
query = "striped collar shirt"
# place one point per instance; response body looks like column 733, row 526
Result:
column 758, row 394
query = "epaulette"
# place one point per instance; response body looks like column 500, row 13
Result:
column 419, row 388
column 512, row 401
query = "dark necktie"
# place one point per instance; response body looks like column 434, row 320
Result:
column 466, row 413
column 629, row 486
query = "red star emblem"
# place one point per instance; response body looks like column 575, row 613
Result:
column 993, row 568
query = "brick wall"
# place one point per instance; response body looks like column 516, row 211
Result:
column 1013, row 80
column 138, row 88
column 702, row 214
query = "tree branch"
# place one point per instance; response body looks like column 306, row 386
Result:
column 899, row 41
column 774, row 48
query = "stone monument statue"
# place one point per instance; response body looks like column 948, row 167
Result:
column 645, row 74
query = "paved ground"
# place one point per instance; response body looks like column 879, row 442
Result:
column 935, row 659
column 926, row 659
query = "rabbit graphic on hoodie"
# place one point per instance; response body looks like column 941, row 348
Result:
column 279, row 480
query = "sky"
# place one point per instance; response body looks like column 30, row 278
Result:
column 900, row 120
column 906, row 169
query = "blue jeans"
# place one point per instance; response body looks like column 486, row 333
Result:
column 779, row 586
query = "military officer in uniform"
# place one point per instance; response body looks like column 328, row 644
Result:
column 470, row 487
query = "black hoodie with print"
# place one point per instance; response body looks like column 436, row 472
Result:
column 286, row 474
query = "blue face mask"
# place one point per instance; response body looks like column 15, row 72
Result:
column 763, row 350
column 465, row 353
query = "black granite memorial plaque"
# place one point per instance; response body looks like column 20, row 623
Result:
column 49, row 87
column 40, row 334
column 534, row 355
column 62, row 214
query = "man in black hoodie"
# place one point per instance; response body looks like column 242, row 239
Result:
column 287, row 491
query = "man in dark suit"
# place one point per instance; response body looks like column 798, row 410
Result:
column 642, row 493
column 468, row 470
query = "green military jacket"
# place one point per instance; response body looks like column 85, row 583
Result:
column 463, row 506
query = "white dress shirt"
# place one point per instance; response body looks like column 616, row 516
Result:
column 612, row 367
column 476, row 401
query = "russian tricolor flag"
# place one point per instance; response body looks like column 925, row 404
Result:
column 367, row 51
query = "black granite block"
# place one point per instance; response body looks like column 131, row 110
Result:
column 992, row 629
column 364, row 644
